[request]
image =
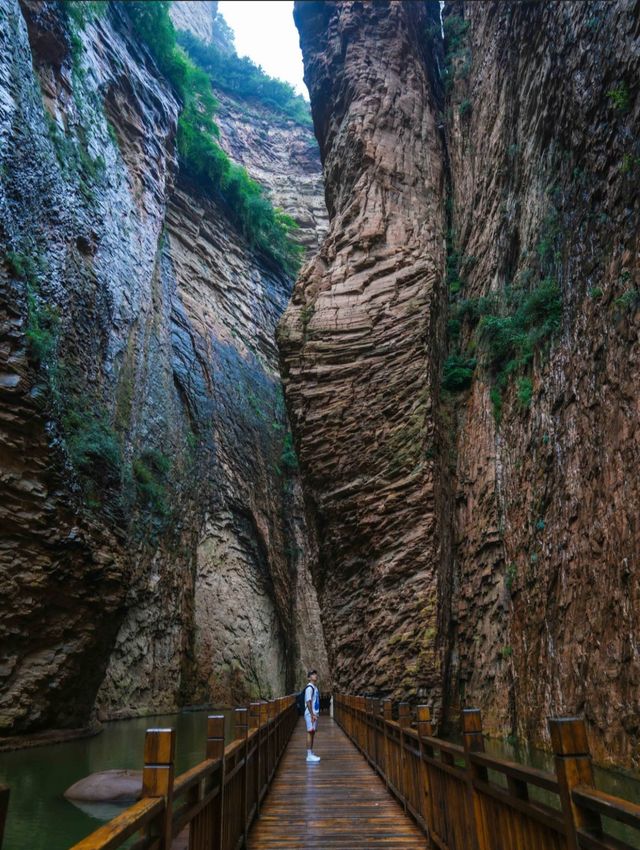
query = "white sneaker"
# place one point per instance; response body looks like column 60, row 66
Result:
column 312, row 758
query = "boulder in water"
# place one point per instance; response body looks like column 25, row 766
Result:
column 107, row 786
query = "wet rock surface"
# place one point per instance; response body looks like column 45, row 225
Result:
column 107, row 786
column 142, row 418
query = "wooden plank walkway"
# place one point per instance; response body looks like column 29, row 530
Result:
column 338, row 804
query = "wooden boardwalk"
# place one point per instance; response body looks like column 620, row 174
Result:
column 338, row 804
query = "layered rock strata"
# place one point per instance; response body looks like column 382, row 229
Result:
column 527, row 463
column 544, row 157
column 156, row 547
column 361, row 343
column 281, row 155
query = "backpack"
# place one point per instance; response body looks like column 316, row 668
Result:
column 300, row 701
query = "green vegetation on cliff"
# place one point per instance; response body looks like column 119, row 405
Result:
column 503, row 332
column 242, row 77
column 529, row 319
column 93, row 448
column 457, row 53
column 457, row 372
column 507, row 333
column 201, row 157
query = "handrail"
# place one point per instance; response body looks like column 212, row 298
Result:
column 452, row 792
column 521, row 772
column 218, row 799
column 607, row 805
column 4, row 805
column 194, row 775
column 123, row 826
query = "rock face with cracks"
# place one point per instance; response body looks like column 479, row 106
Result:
column 542, row 133
column 361, row 343
column 156, row 549
column 478, row 544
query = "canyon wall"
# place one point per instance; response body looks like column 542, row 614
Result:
column 362, row 339
column 475, row 488
column 542, row 135
column 156, row 548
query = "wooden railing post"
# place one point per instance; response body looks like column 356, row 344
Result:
column 474, row 743
column 242, row 729
column 387, row 716
column 367, row 728
column 4, row 806
column 254, row 723
column 215, row 750
column 158, row 775
column 215, row 736
column 346, row 713
column 404, row 721
column 354, row 718
column 264, row 749
column 267, row 751
column 271, row 715
column 573, row 767
column 276, row 731
column 375, row 723
column 279, row 729
column 425, row 730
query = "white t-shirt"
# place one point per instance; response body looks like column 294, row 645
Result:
column 312, row 694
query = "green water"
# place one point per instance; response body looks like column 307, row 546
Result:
column 40, row 818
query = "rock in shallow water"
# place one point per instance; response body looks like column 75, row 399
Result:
column 107, row 786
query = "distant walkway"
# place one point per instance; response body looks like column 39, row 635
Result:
column 338, row 804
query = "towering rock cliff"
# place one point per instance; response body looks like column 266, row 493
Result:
column 361, row 342
column 156, row 548
column 542, row 132
column 475, row 490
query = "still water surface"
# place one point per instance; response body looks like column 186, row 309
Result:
column 40, row 818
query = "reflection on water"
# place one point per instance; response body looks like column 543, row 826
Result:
column 40, row 818
column 99, row 811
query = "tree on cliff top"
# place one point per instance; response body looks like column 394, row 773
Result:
column 240, row 76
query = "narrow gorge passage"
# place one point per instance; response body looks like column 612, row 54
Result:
column 346, row 384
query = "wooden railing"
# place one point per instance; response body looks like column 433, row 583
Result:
column 4, row 805
column 218, row 799
column 465, row 799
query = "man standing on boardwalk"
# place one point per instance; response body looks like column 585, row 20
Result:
column 311, row 712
